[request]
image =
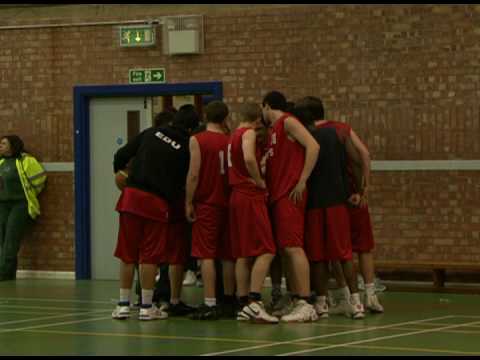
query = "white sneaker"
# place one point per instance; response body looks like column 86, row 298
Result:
column 255, row 312
column 190, row 278
column 373, row 305
column 152, row 313
column 242, row 316
column 341, row 307
column 121, row 312
column 163, row 306
column 355, row 311
column 302, row 312
column 321, row 310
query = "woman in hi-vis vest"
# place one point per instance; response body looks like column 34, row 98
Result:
column 22, row 178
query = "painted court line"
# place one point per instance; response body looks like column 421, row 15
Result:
column 57, row 300
column 440, row 351
column 46, row 307
column 326, row 336
column 55, row 324
column 376, row 339
column 10, row 311
column 402, row 328
column 151, row 336
column 48, row 317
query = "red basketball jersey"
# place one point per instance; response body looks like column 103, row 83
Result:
column 212, row 186
column 238, row 175
column 343, row 129
column 285, row 161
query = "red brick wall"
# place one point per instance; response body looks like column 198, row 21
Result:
column 405, row 76
column 426, row 215
column 50, row 244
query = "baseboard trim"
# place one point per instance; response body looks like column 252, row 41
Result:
column 38, row 274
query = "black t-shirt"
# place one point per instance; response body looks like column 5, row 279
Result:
column 10, row 185
column 327, row 184
column 161, row 159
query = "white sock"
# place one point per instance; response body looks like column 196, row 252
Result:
column 355, row 298
column 370, row 289
column 124, row 295
column 174, row 301
column 147, row 296
column 211, row 301
column 345, row 292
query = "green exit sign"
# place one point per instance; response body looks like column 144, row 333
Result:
column 146, row 76
column 137, row 35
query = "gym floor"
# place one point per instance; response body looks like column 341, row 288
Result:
column 67, row 317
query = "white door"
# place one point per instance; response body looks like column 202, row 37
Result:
column 109, row 122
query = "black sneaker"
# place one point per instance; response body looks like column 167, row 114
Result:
column 180, row 309
column 205, row 312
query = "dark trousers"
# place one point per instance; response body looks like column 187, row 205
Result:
column 14, row 221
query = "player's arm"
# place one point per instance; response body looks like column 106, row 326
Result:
column 357, row 170
column 296, row 130
column 365, row 156
column 123, row 158
column 126, row 153
column 121, row 176
column 192, row 178
column 248, row 147
column 357, row 163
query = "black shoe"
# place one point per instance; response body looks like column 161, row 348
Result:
column 180, row 309
column 205, row 312
column 229, row 311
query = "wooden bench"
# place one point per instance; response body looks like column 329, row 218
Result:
column 438, row 268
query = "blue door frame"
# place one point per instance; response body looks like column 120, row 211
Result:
column 82, row 95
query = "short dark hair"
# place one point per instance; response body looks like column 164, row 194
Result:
column 290, row 106
column 163, row 118
column 303, row 114
column 16, row 144
column 186, row 118
column 216, row 112
column 276, row 100
column 250, row 112
column 314, row 106
column 187, row 107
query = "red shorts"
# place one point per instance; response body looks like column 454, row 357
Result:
column 209, row 232
column 361, row 227
column 141, row 240
column 250, row 228
column 144, row 204
column 327, row 234
column 288, row 221
column 177, row 245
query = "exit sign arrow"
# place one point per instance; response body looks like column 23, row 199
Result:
column 158, row 74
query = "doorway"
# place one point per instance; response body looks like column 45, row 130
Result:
column 99, row 135
column 113, row 121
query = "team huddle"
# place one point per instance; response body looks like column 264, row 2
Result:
column 284, row 193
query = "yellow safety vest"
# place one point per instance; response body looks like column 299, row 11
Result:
column 33, row 178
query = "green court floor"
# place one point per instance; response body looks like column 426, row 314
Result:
column 65, row 317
